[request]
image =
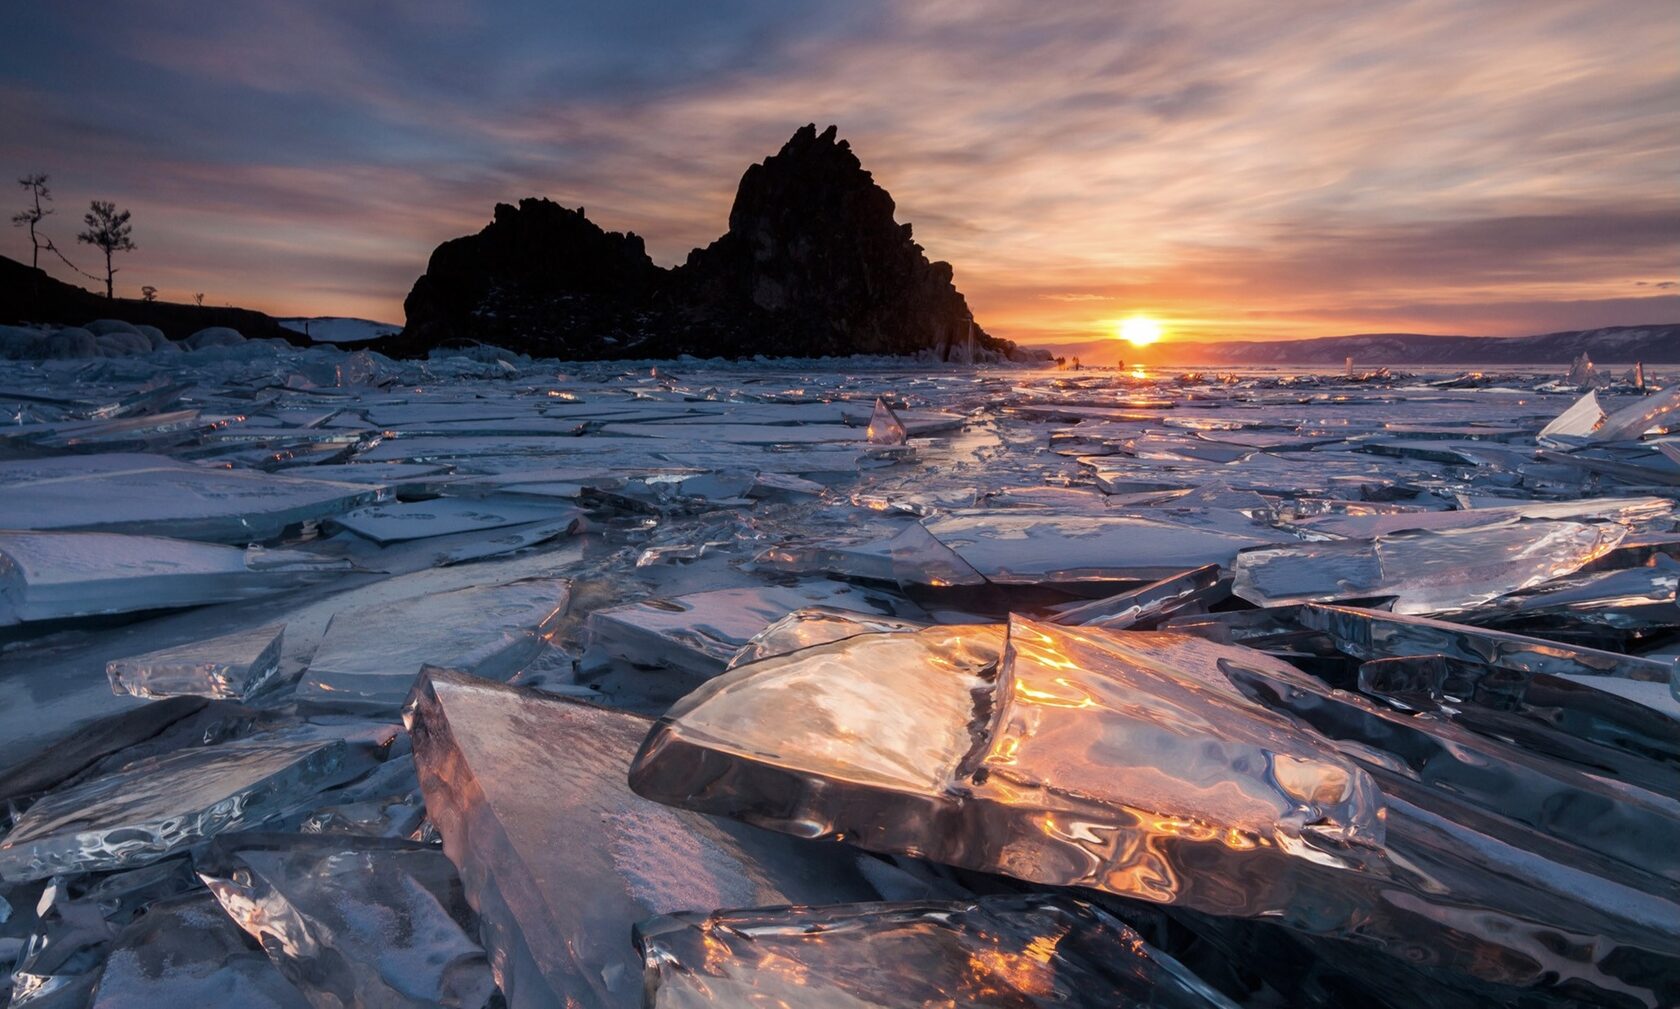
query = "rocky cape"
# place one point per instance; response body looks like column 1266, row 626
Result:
column 813, row 264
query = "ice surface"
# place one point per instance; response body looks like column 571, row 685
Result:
column 1425, row 572
column 815, row 625
column 231, row 666
column 161, row 804
column 560, row 859
column 354, row 922
column 421, row 519
column 370, row 655
column 1016, row 548
column 1144, row 607
column 185, row 952
column 49, row 576
column 1019, row 952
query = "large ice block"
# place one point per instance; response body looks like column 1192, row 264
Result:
column 369, row 656
column 560, row 859
column 1019, row 952
column 354, row 922
column 234, row 666
column 1426, row 572
column 159, row 805
column 184, row 952
column 49, row 576
column 157, row 496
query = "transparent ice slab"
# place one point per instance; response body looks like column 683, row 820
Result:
column 560, row 859
column 159, row 805
column 233, row 666
column 49, row 576
column 884, row 426
column 1631, row 511
column 157, row 496
column 354, row 922
column 370, row 655
column 1023, row 952
column 912, row 556
column 700, row 632
column 1626, row 599
column 186, row 952
column 1014, row 548
column 816, row 625
column 1142, row 608
column 393, row 523
column 1426, row 572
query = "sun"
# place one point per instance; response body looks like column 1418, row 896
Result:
column 1140, row 330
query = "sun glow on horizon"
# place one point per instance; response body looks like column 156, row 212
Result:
column 1139, row 330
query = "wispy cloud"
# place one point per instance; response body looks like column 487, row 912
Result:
column 1452, row 165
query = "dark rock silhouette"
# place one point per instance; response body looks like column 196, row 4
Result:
column 813, row 264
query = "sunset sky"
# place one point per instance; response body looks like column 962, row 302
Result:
column 1235, row 170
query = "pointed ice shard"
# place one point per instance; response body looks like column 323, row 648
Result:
column 1582, row 374
column 354, row 923
column 232, row 666
column 1143, row 608
column 186, row 952
column 1020, row 952
column 1426, row 572
column 370, row 655
column 1660, row 410
column 884, row 426
column 560, row 859
column 1575, row 424
column 50, row 576
column 160, row 805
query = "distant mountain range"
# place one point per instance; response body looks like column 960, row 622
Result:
column 1654, row 344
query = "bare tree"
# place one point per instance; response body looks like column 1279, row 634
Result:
column 148, row 293
column 198, row 299
column 109, row 231
column 32, row 215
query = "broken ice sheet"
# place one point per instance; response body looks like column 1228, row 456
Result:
column 700, row 632
column 185, row 952
column 159, row 805
column 1020, row 952
column 1427, row 572
column 232, row 666
column 369, row 655
column 815, row 625
column 48, row 576
column 393, row 523
column 352, row 922
column 912, row 556
column 560, row 859
column 1147, row 605
column 1024, row 548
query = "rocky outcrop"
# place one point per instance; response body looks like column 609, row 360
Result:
column 813, row 263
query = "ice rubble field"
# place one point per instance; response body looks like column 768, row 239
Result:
column 327, row 680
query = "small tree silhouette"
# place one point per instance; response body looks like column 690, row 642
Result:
column 148, row 293
column 109, row 231
column 32, row 215
column 198, row 299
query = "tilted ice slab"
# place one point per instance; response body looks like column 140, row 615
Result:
column 1019, row 952
column 816, row 625
column 393, row 523
column 185, row 952
column 158, row 496
column 49, row 576
column 370, row 655
column 230, row 666
column 1148, row 605
column 560, row 859
column 1625, row 510
column 159, row 805
column 1426, row 572
column 1141, row 764
column 354, row 922
column 700, row 632
column 1030, row 549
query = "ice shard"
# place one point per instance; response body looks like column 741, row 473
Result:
column 159, row 805
column 412, row 520
column 1143, row 608
column 560, row 859
column 232, row 666
column 1576, row 424
column 50, row 576
column 913, row 556
column 1660, row 410
column 1020, row 952
column 186, row 952
column 1143, row 764
column 884, row 426
column 370, row 655
column 354, row 923
column 1425, row 572
column 1622, row 598
column 816, row 625
column 1031, row 549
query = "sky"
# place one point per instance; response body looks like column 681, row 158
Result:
column 1241, row 171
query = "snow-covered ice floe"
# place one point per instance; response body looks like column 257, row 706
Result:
column 329, row 679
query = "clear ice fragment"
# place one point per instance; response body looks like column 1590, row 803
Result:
column 354, row 923
column 370, row 655
column 1578, row 423
column 1142, row 608
column 884, row 426
column 815, row 625
column 394, row 523
column 233, row 666
column 1014, row 548
column 1020, row 952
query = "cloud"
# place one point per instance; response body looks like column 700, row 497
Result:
column 1264, row 170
